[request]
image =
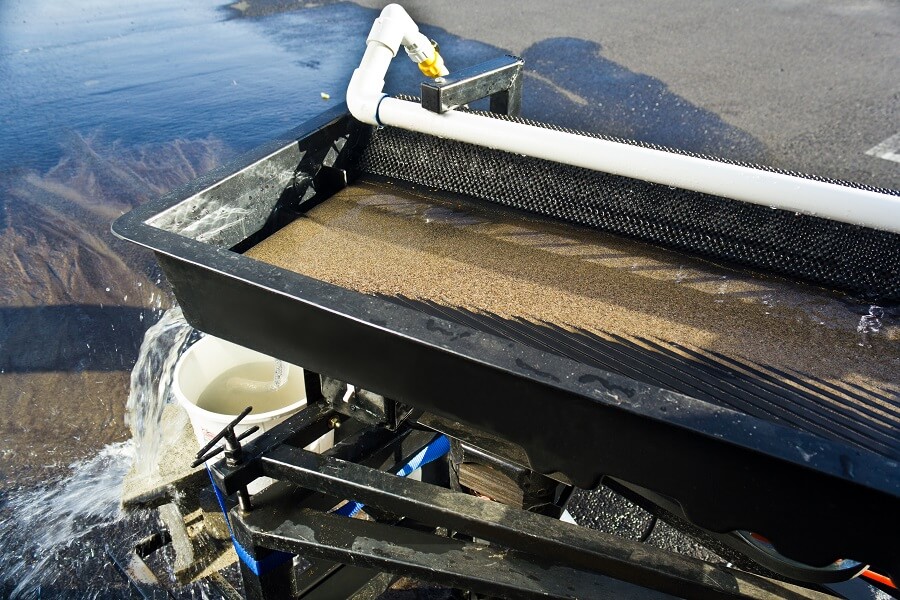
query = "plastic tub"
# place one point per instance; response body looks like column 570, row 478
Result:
column 206, row 361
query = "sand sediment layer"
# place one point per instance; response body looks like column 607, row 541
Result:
column 375, row 238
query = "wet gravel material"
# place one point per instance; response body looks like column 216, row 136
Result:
column 605, row 510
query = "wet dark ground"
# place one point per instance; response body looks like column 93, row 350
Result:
column 105, row 106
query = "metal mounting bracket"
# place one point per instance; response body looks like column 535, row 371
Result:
column 500, row 79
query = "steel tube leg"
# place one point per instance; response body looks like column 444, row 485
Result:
column 263, row 579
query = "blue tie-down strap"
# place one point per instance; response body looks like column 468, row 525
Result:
column 439, row 447
column 259, row 567
column 430, row 453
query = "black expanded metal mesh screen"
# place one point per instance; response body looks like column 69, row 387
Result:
column 861, row 261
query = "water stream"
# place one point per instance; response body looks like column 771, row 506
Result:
column 151, row 385
column 59, row 538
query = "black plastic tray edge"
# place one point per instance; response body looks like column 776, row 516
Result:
column 615, row 426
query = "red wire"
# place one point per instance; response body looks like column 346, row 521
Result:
column 878, row 577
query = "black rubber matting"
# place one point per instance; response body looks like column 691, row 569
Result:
column 867, row 418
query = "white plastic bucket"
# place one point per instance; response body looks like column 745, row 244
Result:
column 209, row 358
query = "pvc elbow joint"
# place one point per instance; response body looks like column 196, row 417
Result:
column 391, row 29
column 363, row 96
column 394, row 27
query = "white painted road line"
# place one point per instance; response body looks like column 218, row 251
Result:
column 889, row 149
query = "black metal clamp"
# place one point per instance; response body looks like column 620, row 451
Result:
column 233, row 452
column 499, row 79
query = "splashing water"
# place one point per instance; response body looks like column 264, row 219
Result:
column 54, row 537
column 151, row 385
column 871, row 323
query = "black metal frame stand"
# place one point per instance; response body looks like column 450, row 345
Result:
column 426, row 530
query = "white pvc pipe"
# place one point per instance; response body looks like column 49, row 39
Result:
column 836, row 202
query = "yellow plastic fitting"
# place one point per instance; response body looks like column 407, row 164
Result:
column 433, row 67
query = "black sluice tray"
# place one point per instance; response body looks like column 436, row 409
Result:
column 813, row 494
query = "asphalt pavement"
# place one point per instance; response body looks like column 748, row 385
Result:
column 814, row 82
